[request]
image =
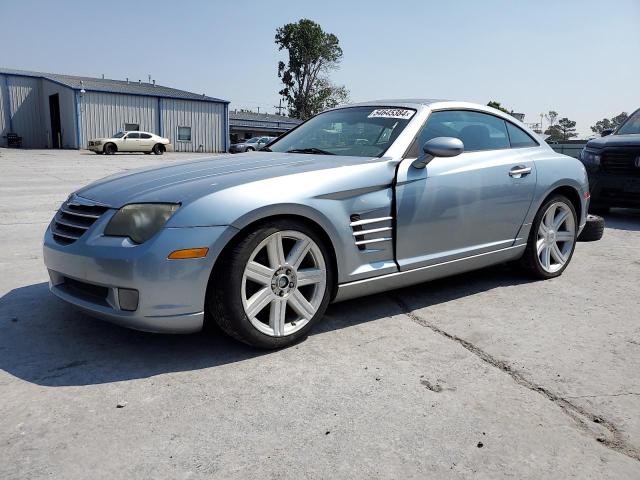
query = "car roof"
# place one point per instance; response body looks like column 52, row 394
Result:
column 400, row 102
column 432, row 103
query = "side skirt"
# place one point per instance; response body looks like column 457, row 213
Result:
column 391, row 281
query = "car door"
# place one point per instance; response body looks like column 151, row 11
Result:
column 262, row 142
column 131, row 143
column 465, row 205
column 146, row 142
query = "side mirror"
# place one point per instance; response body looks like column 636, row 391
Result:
column 606, row 131
column 439, row 147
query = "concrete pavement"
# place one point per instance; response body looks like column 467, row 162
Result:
column 485, row 375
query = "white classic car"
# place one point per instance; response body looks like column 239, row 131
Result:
column 130, row 142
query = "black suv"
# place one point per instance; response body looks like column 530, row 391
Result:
column 613, row 166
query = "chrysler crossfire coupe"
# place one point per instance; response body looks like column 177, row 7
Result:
column 355, row 201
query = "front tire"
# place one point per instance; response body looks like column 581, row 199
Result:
column 552, row 239
column 110, row 149
column 158, row 149
column 273, row 286
column 249, row 149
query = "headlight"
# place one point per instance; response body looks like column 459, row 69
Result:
column 97, row 142
column 589, row 158
column 140, row 221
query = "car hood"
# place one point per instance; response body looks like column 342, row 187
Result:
column 188, row 181
column 615, row 141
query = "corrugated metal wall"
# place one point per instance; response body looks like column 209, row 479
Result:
column 22, row 98
column 206, row 119
column 4, row 119
column 103, row 114
column 24, row 109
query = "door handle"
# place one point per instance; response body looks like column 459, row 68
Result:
column 519, row 171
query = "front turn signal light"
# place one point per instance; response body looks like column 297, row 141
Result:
column 188, row 253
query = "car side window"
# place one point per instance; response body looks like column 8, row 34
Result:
column 145, row 136
column 519, row 138
column 133, row 135
column 478, row 131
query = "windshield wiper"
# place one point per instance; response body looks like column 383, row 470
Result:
column 310, row 150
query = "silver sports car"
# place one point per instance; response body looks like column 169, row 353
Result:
column 355, row 201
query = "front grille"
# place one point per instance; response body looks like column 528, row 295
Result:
column 86, row 291
column 620, row 163
column 73, row 219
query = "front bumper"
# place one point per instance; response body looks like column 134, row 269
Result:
column 172, row 293
column 614, row 191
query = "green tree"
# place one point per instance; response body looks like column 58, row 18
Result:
column 564, row 130
column 551, row 117
column 312, row 54
column 497, row 106
column 609, row 123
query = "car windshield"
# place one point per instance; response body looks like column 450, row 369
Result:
column 631, row 126
column 351, row 131
column 119, row 135
column 252, row 140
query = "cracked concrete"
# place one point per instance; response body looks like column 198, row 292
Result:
column 609, row 434
column 486, row 375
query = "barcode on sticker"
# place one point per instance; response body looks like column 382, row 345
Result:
column 404, row 113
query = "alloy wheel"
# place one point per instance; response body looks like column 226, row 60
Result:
column 556, row 237
column 283, row 283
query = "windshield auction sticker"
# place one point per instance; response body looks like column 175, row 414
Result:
column 403, row 113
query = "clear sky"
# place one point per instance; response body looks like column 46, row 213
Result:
column 578, row 57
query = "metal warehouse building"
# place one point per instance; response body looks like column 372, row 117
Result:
column 62, row 111
column 245, row 125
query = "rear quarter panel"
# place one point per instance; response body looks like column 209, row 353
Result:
column 554, row 171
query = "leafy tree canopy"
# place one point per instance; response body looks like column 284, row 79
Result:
column 312, row 54
column 497, row 106
column 609, row 123
column 551, row 117
column 564, row 130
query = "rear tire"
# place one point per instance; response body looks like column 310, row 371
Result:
column 273, row 286
column 552, row 239
column 593, row 229
column 158, row 149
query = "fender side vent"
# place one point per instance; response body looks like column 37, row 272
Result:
column 370, row 231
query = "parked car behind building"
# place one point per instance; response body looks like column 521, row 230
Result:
column 255, row 143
